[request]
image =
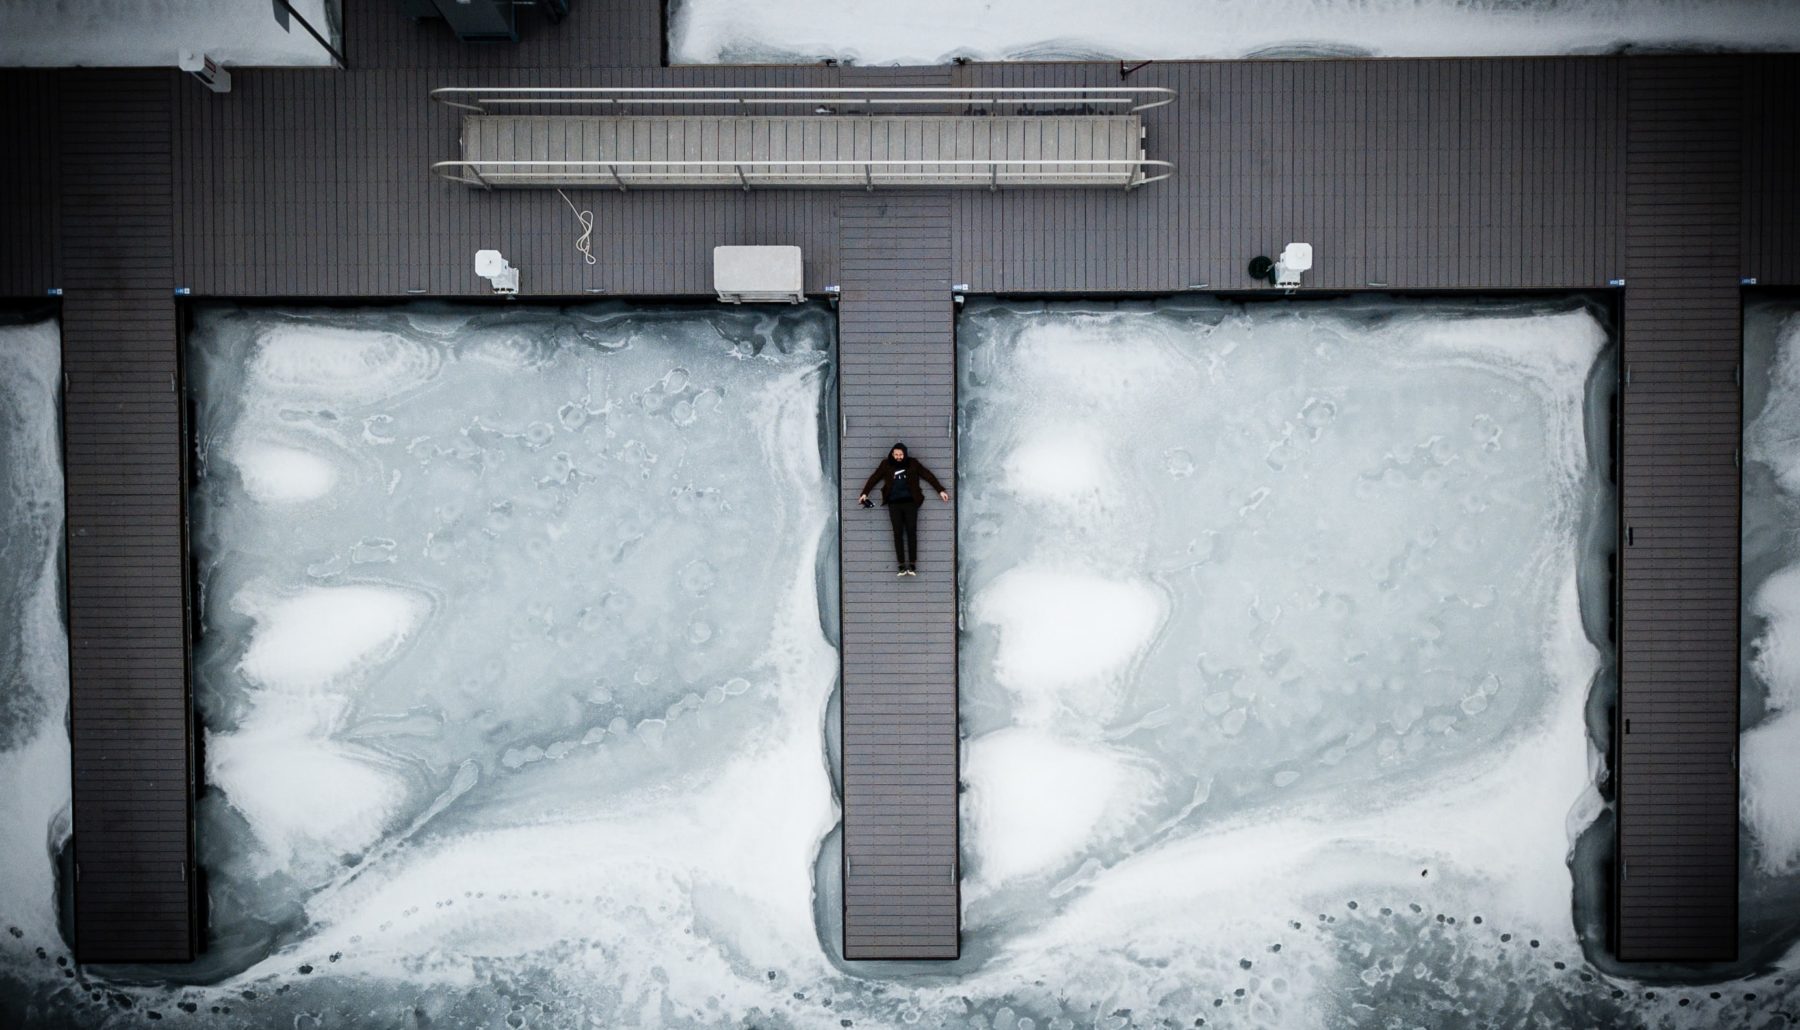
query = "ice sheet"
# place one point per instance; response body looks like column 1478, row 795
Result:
column 935, row 31
column 34, row 644
column 491, row 550
column 1771, row 590
column 1314, row 569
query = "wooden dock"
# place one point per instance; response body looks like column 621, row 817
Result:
column 1673, row 174
column 897, row 383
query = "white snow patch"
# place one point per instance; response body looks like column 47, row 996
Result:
column 1036, row 801
column 1776, row 653
column 317, row 637
column 1065, row 633
column 300, row 363
column 278, row 474
column 1771, row 790
column 1057, row 466
column 309, row 799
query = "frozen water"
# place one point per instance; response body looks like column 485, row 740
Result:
column 467, row 573
column 124, row 33
column 1771, row 632
column 1321, row 552
column 935, row 31
column 34, row 644
column 1064, row 636
column 1280, row 609
column 273, row 473
column 1042, row 799
column 520, row 719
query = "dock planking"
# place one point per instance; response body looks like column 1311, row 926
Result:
column 1673, row 173
column 1681, row 430
column 896, row 339
column 130, row 718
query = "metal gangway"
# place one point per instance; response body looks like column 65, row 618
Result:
column 802, row 136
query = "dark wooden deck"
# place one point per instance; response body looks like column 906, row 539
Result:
column 897, row 384
column 1673, row 173
column 130, row 716
column 1681, row 418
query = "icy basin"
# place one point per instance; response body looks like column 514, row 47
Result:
column 1279, row 608
column 1770, row 793
column 34, row 649
column 508, row 593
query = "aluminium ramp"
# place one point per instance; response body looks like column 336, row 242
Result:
column 844, row 151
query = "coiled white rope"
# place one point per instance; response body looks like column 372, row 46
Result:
column 585, row 241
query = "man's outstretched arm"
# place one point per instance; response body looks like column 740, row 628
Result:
column 933, row 480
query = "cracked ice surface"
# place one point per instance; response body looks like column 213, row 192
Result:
column 34, row 645
column 504, row 607
column 1332, row 553
column 1770, row 801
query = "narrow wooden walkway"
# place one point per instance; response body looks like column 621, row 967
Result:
column 1681, row 411
column 897, row 362
column 130, row 716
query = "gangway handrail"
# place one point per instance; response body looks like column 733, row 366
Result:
column 479, row 98
column 606, row 171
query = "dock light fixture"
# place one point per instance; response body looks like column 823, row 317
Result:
column 205, row 69
column 497, row 271
column 1295, row 258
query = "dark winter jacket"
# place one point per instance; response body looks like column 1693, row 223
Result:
column 884, row 474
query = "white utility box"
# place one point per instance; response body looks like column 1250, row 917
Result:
column 754, row 275
column 1295, row 258
column 205, row 69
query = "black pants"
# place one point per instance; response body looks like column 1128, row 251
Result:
column 905, row 517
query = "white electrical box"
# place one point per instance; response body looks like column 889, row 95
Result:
column 205, row 69
column 755, row 275
column 1295, row 258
